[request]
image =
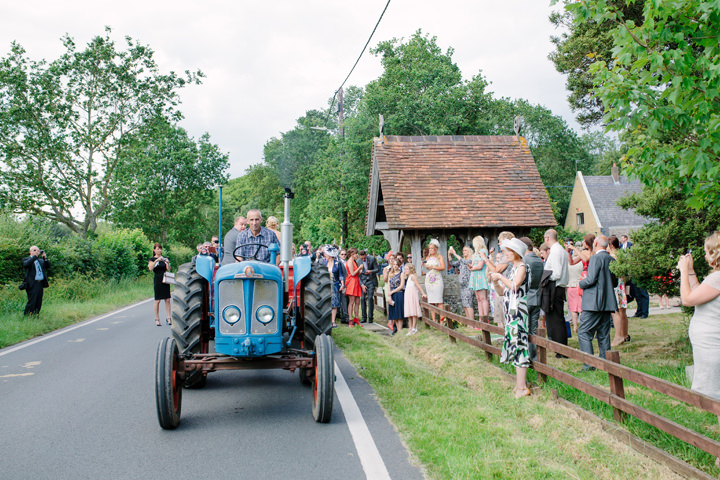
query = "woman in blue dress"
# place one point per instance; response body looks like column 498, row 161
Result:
column 337, row 279
column 396, row 311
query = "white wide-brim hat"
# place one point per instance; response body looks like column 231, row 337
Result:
column 436, row 243
column 516, row 245
column 330, row 251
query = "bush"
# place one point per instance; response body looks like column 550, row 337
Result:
column 121, row 253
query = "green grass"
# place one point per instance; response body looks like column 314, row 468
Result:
column 66, row 302
column 457, row 414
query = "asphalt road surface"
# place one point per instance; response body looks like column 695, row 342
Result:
column 80, row 403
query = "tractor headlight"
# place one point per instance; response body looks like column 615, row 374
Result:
column 231, row 314
column 265, row 314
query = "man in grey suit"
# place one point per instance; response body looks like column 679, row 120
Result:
column 598, row 301
column 535, row 271
column 231, row 238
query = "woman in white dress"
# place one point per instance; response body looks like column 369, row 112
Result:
column 435, row 264
column 704, row 328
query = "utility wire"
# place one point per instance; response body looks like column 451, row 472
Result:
column 332, row 104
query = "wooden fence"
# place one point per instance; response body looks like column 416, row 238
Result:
column 617, row 375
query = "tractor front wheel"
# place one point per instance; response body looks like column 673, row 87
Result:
column 317, row 293
column 324, row 382
column 168, row 385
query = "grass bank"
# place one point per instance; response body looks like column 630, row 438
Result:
column 457, row 414
column 66, row 302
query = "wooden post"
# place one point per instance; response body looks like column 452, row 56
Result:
column 542, row 354
column 616, row 385
column 488, row 340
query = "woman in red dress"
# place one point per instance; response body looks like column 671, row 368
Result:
column 353, row 290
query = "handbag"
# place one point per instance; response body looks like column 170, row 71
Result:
column 168, row 278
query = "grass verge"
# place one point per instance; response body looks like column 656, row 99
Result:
column 458, row 416
column 66, row 302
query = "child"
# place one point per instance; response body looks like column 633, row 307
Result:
column 412, row 299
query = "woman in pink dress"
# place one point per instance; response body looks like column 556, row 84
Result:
column 412, row 298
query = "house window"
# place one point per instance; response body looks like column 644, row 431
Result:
column 580, row 218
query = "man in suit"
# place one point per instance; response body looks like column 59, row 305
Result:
column 231, row 238
column 598, row 301
column 369, row 282
column 535, row 271
column 36, row 279
column 637, row 293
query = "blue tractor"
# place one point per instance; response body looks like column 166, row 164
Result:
column 248, row 315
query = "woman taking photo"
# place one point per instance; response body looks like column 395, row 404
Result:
column 704, row 330
column 463, row 266
column 337, row 280
column 353, row 290
column 478, row 277
column 620, row 319
column 513, row 289
column 435, row 264
column 159, row 265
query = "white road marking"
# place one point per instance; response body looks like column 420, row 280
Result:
column 69, row 329
column 369, row 455
column 30, row 364
column 12, row 375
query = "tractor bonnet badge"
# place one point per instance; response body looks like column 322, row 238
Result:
column 249, row 271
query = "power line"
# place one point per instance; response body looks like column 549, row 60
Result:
column 332, row 104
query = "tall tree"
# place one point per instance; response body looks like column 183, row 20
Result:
column 64, row 124
column 165, row 185
column 660, row 91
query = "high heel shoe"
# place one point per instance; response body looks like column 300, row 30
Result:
column 157, row 322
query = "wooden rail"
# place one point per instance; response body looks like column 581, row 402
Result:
column 617, row 374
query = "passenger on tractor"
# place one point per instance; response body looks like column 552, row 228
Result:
column 256, row 234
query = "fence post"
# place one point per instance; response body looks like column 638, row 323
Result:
column 542, row 354
column 616, row 384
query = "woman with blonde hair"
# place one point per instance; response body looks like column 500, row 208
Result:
column 273, row 224
column 478, row 276
column 435, row 264
column 620, row 319
column 499, row 265
column 704, row 330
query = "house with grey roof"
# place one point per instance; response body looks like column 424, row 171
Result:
column 594, row 209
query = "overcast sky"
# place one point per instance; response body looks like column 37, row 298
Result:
column 266, row 63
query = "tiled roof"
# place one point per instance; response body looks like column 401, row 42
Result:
column 458, row 182
column 605, row 193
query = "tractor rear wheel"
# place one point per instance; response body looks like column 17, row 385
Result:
column 317, row 293
column 190, row 322
column 168, row 386
column 324, row 384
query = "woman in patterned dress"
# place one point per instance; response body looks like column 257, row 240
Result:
column 396, row 311
column 463, row 265
column 434, row 285
column 478, row 276
column 513, row 288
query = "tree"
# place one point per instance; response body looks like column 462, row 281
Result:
column 64, row 125
column 164, row 183
column 660, row 92
column 587, row 42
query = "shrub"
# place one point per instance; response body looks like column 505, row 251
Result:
column 121, row 253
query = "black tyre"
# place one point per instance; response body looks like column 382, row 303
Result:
column 306, row 375
column 168, row 386
column 324, row 385
column 190, row 321
column 317, row 293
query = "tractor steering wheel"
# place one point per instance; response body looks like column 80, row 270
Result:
column 254, row 256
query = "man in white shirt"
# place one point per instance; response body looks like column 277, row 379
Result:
column 556, row 275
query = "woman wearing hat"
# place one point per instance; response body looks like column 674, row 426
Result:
column 513, row 288
column 336, row 276
column 435, row 264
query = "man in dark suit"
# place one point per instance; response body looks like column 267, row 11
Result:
column 369, row 282
column 637, row 293
column 598, row 301
column 535, row 271
column 36, row 279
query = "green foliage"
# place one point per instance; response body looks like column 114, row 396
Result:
column 121, row 253
column 657, row 246
column 64, row 125
column 660, row 90
column 166, row 185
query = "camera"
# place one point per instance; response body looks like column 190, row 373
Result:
column 42, row 252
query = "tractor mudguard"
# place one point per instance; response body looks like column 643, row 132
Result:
column 205, row 266
column 301, row 268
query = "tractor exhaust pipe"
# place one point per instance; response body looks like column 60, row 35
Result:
column 286, row 231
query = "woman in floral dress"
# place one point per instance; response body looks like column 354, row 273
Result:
column 513, row 288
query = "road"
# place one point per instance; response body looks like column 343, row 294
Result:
column 80, row 403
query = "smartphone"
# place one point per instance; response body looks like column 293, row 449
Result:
column 689, row 252
column 212, row 250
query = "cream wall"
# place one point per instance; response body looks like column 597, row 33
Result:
column 580, row 203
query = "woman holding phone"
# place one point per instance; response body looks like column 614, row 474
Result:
column 159, row 265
